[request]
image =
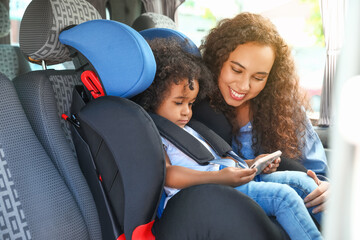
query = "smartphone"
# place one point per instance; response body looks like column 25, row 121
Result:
column 263, row 162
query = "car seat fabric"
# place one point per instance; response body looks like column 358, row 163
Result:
column 35, row 201
column 117, row 52
column 45, row 95
column 12, row 62
column 203, row 112
column 4, row 21
column 153, row 20
column 38, row 90
column 42, row 23
column 41, row 109
column 218, row 212
column 186, row 42
column 128, row 154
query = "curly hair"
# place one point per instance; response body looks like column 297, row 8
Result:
column 173, row 65
column 278, row 111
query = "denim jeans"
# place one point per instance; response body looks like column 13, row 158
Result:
column 281, row 194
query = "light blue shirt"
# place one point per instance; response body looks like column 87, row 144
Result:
column 313, row 153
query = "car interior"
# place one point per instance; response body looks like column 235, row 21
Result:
column 78, row 158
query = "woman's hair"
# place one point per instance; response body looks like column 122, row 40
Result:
column 173, row 65
column 278, row 111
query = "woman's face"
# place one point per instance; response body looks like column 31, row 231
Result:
column 244, row 74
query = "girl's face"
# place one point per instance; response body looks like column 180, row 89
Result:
column 177, row 105
column 244, row 74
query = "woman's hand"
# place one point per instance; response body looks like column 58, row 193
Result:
column 272, row 167
column 236, row 176
column 319, row 196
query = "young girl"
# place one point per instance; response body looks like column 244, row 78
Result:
column 181, row 79
column 257, row 89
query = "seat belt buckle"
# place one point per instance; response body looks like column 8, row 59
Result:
column 71, row 119
column 92, row 83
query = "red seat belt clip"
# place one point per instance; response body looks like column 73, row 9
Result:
column 142, row 232
column 92, row 83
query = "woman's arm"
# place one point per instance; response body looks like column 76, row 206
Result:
column 181, row 177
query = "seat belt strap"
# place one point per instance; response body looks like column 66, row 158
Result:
column 184, row 141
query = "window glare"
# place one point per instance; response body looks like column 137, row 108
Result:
column 298, row 22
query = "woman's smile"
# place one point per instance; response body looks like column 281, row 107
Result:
column 236, row 95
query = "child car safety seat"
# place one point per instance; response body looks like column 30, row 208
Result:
column 116, row 133
column 12, row 62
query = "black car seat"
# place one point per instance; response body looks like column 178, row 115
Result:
column 12, row 61
column 47, row 93
column 123, row 141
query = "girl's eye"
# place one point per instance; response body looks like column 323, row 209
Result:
column 178, row 103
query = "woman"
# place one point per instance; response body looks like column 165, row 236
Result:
column 258, row 92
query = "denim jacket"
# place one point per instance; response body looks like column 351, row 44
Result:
column 313, row 154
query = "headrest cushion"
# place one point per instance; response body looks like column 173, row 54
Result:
column 4, row 21
column 42, row 23
column 153, row 20
column 188, row 45
column 120, row 56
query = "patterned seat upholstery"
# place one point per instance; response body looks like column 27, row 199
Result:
column 35, row 200
column 12, row 62
column 46, row 94
column 153, row 20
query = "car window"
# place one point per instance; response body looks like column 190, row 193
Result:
column 298, row 21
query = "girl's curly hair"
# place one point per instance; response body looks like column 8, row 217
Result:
column 173, row 65
column 278, row 111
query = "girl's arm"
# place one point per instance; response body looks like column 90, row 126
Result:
column 181, row 177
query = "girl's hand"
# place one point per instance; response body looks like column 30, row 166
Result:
column 272, row 167
column 319, row 196
column 236, row 176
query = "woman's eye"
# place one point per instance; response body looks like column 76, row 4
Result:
column 236, row 70
column 259, row 78
column 178, row 103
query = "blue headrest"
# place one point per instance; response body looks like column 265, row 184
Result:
column 189, row 46
column 121, row 57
